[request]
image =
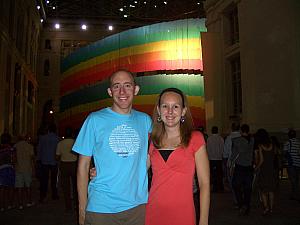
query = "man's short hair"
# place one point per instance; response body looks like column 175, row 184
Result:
column 68, row 132
column 214, row 130
column 118, row 71
column 245, row 128
column 292, row 133
column 235, row 126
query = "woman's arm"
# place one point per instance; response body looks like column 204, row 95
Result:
column 260, row 157
column 202, row 169
column 82, row 185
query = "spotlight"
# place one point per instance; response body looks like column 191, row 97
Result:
column 42, row 20
column 47, row 2
column 51, row 112
column 83, row 27
column 38, row 7
column 110, row 27
column 165, row 2
column 125, row 16
column 155, row 6
column 57, row 26
column 145, row 3
column 53, row 7
column 121, row 9
column 135, row 2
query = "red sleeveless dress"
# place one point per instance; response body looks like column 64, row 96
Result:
column 171, row 194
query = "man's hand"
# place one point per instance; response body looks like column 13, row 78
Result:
column 81, row 216
column 93, row 173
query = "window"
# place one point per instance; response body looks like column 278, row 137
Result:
column 20, row 33
column 231, row 25
column 235, row 67
column 48, row 44
column 69, row 46
column 46, row 67
column 11, row 18
column 30, row 92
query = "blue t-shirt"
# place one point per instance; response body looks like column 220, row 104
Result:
column 118, row 144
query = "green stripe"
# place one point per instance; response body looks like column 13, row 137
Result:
column 190, row 84
column 189, row 28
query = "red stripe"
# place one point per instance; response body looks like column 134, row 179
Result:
column 90, row 76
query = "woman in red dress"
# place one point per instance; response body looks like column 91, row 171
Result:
column 175, row 151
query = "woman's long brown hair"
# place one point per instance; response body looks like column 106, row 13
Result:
column 186, row 127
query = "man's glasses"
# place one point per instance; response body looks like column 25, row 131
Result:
column 127, row 86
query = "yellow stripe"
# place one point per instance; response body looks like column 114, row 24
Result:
column 170, row 50
column 195, row 101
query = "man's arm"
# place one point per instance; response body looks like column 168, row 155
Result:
column 82, row 185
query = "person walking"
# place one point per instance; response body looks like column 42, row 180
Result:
column 215, row 147
column 24, row 168
column 292, row 152
column 242, row 156
column 46, row 157
column 67, row 166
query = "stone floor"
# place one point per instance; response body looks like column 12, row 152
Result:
column 286, row 212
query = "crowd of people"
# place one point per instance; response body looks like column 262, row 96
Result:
column 124, row 146
column 253, row 163
column 20, row 162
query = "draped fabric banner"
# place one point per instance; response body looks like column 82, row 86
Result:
column 170, row 46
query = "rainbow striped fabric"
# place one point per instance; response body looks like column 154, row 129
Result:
column 166, row 55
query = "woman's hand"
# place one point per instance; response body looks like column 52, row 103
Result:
column 93, row 173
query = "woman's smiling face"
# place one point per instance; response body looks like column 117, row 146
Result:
column 171, row 109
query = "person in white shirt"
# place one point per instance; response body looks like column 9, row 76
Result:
column 67, row 166
column 215, row 146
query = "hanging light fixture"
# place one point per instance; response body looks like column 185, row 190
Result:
column 83, row 26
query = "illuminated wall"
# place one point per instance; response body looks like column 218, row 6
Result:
column 165, row 54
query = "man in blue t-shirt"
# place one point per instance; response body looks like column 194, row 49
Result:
column 117, row 139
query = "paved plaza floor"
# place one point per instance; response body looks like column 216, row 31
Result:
column 286, row 211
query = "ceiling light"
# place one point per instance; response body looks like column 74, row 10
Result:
column 53, row 7
column 132, row 6
column 198, row 3
column 38, row 7
column 42, row 20
column 165, row 2
column 135, row 2
column 51, row 112
column 47, row 2
column 121, row 9
column 57, row 26
column 155, row 6
column 125, row 15
column 83, row 27
column 110, row 27
column 145, row 3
